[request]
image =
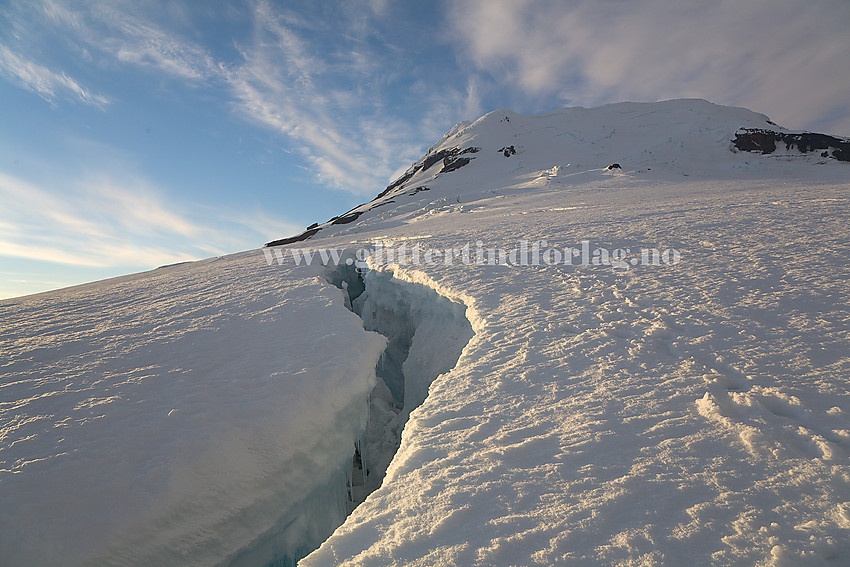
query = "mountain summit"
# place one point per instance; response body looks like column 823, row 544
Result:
column 657, row 140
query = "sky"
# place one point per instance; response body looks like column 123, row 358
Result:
column 140, row 133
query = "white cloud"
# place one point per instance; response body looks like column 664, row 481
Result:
column 781, row 57
column 145, row 44
column 108, row 221
column 110, row 30
column 126, row 32
column 316, row 80
column 322, row 103
column 80, row 227
column 44, row 82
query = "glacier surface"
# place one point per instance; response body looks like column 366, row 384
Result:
column 689, row 412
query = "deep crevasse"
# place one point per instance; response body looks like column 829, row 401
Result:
column 426, row 334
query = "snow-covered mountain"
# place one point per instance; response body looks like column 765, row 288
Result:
column 611, row 336
column 574, row 145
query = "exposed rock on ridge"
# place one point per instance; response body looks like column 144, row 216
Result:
column 764, row 141
column 683, row 137
column 451, row 158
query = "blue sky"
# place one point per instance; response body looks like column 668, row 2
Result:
column 140, row 133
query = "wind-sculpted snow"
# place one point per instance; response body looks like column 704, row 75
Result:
column 687, row 414
column 179, row 417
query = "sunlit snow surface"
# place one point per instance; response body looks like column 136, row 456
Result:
column 685, row 414
column 172, row 418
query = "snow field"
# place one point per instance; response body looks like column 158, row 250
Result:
column 681, row 414
column 175, row 418
column 666, row 415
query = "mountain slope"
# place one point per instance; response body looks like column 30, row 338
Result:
column 651, row 141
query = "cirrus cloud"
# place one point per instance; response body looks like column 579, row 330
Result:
column 44, row 82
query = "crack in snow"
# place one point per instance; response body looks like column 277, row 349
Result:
column 426, row 334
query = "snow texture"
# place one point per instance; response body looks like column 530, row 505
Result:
column 176, row 417
column 671, row 414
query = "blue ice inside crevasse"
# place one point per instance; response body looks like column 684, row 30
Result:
column 426, row 334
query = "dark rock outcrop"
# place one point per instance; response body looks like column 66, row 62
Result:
column 298, row 238
column 755, row 141
column 614, row 166
column 765, row 141
column 508, row 151
column 398, row 182
column 452, row 159
column 426, row 163
column 347, row 218
column 447, row 155
column 375, row 206
column 454, row 163
column 430, row 160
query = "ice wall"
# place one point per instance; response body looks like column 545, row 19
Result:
column 426, row 334
column 186, row 417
